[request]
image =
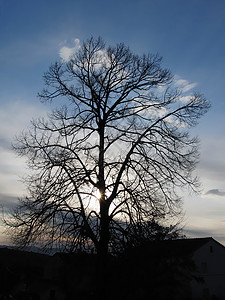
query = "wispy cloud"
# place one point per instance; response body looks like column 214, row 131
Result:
column 99, row 58
column 215, row 192
column 183, row 84
column 197, row 232
column 189, row 87
column 66, row 52
column 14, row 117
column 213, row 169
column 215, row 233
column 8, row 202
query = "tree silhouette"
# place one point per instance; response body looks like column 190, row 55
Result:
column 112, row 154
column 139, row 233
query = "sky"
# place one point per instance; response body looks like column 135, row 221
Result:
column 189, row 35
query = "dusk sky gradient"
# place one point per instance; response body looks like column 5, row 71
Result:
column 190, row 35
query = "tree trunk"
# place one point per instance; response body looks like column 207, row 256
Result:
column 102, row 252
column 104, row 207
column 104, row 230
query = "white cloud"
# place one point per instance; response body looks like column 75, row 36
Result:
column 99, row 58
column 185, row 99
column 66, row 52
column 189, row 87
column 183, row 84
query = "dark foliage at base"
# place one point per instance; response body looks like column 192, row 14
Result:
column 153, row 271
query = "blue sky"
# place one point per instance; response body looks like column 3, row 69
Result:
column 188, row 34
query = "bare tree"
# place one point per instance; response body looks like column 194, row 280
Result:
column 113, row 154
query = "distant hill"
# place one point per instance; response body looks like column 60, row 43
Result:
column 31, row 249
column 16, row 260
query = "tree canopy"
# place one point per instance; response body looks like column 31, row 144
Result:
column 111, row 154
